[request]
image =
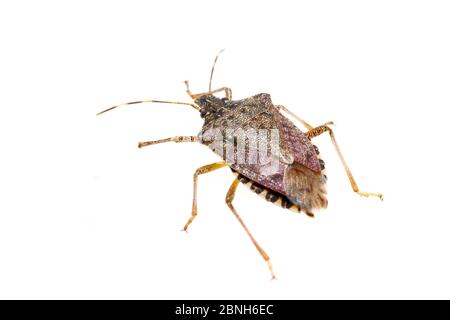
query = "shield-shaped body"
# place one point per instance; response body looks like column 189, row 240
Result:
column 266, row 150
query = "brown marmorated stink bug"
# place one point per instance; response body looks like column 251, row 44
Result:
column 264, row 150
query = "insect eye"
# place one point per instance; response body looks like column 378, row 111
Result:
column 203, row 113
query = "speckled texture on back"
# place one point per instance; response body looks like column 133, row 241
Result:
column 233, row 119
column 297, row 143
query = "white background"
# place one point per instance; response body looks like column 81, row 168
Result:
column 85, row 214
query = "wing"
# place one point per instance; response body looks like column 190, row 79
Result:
column 305, row 188
column 249, row 128
column 296, row 143
column 267, row 148
column 258, row 113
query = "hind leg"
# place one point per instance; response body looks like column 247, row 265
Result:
column 229, row 199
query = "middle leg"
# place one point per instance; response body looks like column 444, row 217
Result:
column 303, row 122
column 314, row 132
column 199, row 171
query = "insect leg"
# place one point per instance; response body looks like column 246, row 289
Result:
column 303, row 122
column 324, row 128
column 172, row 139
column 199, row 171
column 229, row 198
column 228, row 92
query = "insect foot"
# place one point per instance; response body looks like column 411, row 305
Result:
column 368, row 194
column 269, row 264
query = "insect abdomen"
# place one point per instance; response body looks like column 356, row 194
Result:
column 269, row 195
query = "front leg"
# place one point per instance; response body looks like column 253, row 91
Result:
column 228, row 92
column 172, row 139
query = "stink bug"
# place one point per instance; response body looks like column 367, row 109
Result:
column 292, row 175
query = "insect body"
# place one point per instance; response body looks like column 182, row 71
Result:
column 263, row 148
column 292, row 176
